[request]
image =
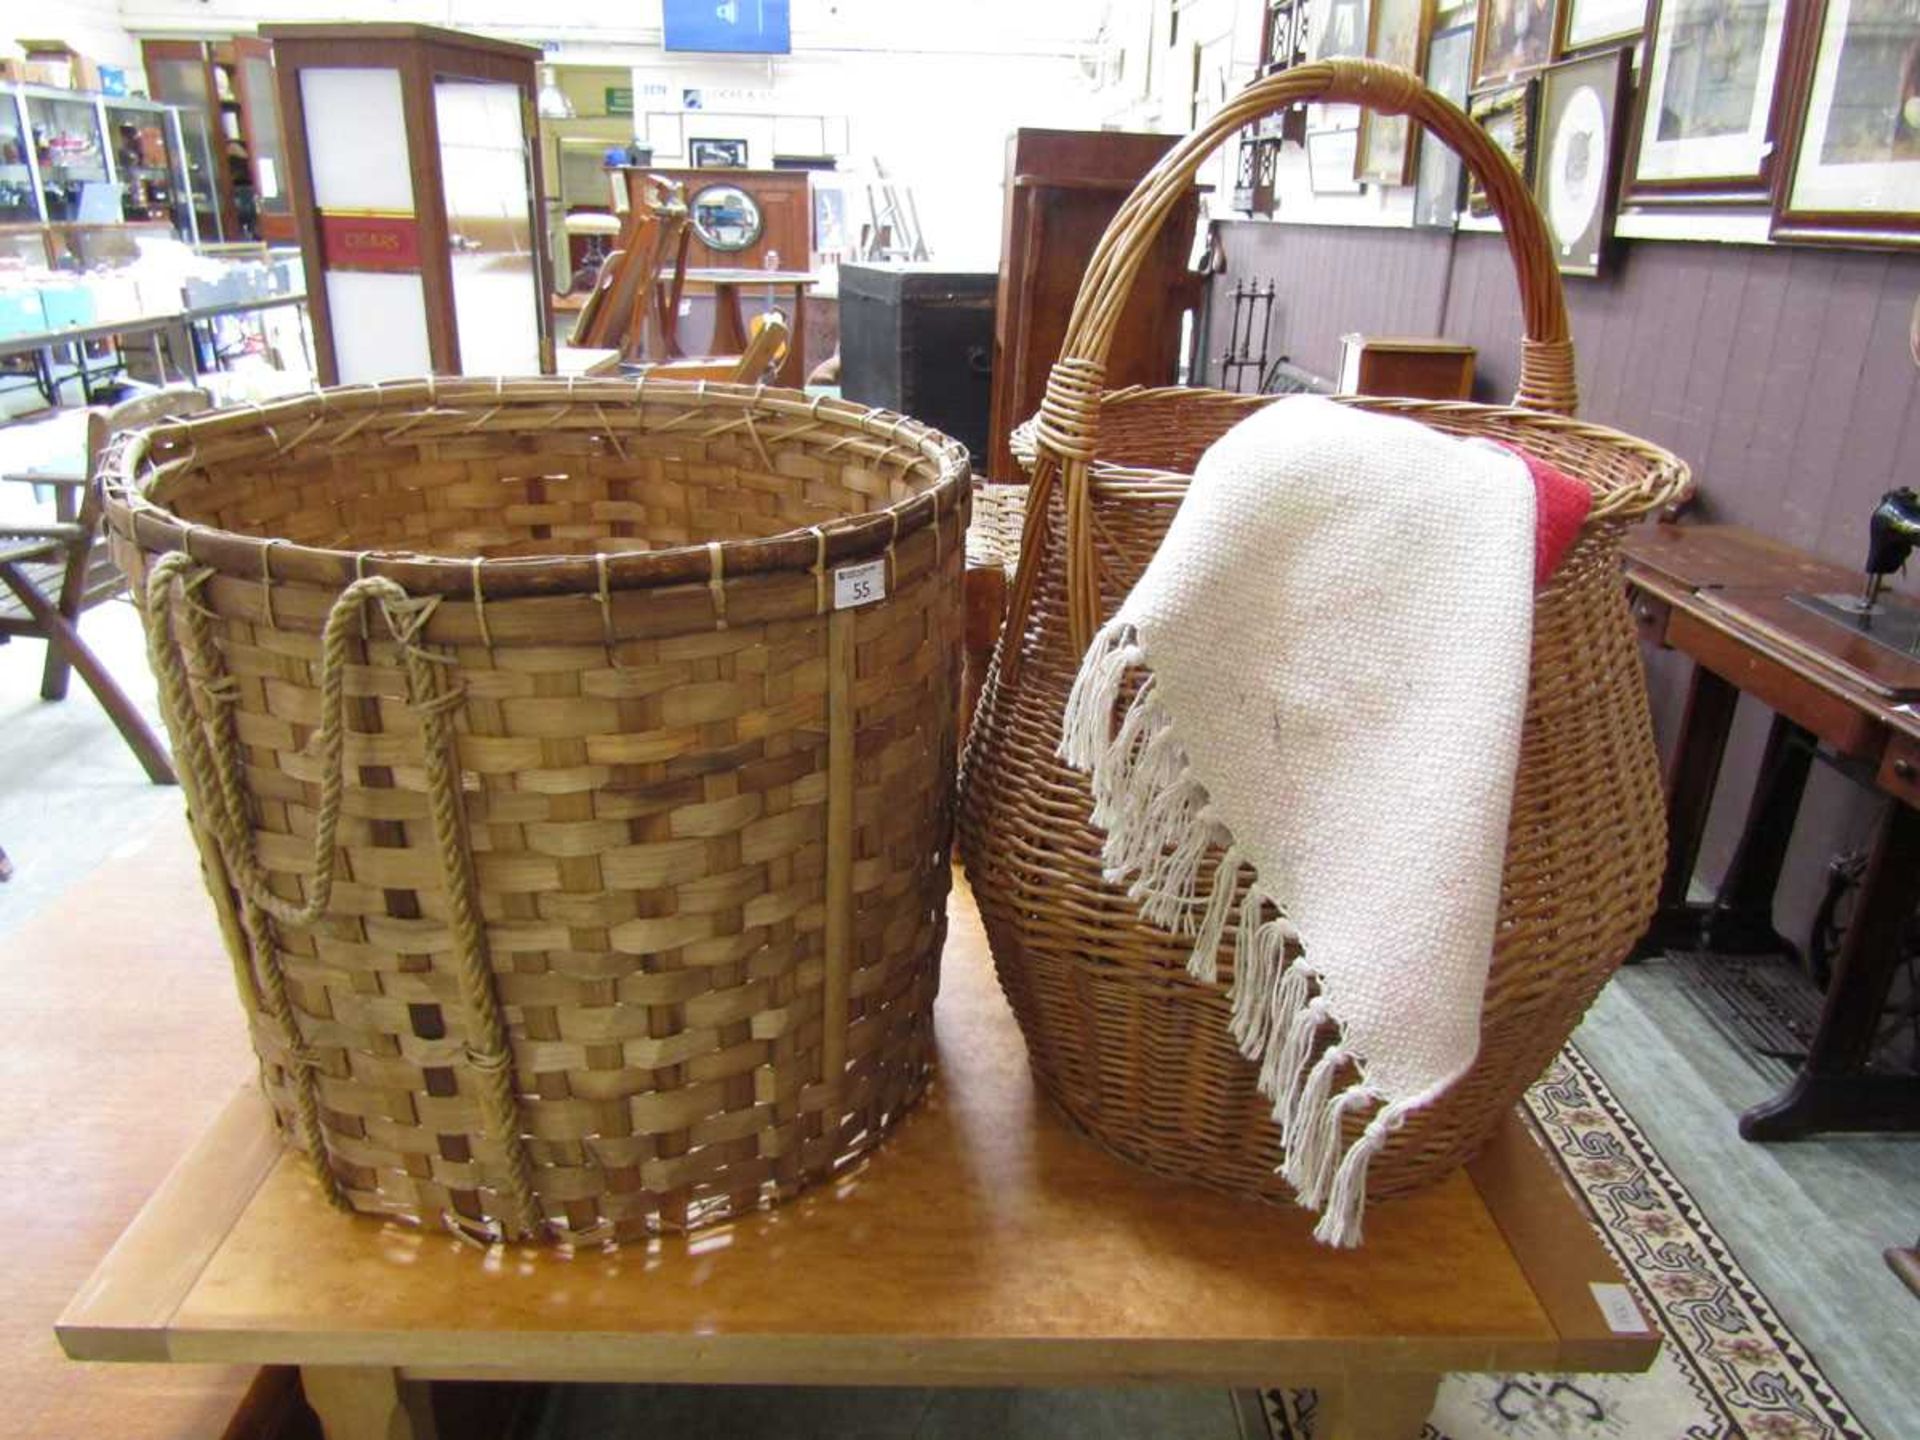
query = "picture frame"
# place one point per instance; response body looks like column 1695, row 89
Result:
column 1576, row 167
column 1331, row 158
column 1513, row 38
column 1341, row 29
column 1438, row 171
column 711, row 154
column 1696, row 139
column 1506, row 114
column 1850, row 174
column 1589, row 24
column 1397, row 33
column 1338, row 28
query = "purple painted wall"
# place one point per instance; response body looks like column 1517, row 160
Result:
column 1781, row 374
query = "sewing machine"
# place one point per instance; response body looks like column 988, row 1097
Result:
column 1892, row 532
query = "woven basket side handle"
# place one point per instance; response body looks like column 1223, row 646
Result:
column 1067, row 428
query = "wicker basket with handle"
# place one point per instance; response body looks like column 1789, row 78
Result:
column 572, row 767
column 1131, row 1048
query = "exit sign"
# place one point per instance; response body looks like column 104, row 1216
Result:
column 619, row 100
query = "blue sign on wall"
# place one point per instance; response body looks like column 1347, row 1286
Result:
column 755, row 27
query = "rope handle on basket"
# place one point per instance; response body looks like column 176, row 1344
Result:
column 185, row 654
column 1067, row 428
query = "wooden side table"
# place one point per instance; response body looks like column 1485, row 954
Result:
column 985, row 1243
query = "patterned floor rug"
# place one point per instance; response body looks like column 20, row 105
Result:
column 1729, row 1370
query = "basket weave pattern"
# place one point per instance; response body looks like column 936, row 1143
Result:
column 630, row 915
column 1138, row 1053
column 1132, row 1049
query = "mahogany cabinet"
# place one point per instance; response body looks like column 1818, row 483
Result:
column 1062, row 188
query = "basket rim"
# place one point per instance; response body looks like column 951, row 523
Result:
column 1668, row 477
column 434, row 407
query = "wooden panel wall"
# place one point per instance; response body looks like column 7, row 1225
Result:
column 1781, row 374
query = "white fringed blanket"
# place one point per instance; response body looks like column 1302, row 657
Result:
column 1337, row 632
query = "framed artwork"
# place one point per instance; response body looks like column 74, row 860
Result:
column 1339, row 28
column 1331, row 157
column 1436, row 187
column 716, row 154
column 1852, row 169
column 1587, row 23
column 1515, row 37
column 1576, row 166
column 1397, row 33
column 1342, row 29
column 1506, row 114
column 1705, row 126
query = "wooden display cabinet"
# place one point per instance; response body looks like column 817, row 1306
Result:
column 1062, row 188
column 230, row 84
column 416, row 191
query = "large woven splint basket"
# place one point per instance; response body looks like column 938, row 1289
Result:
column 1132, row 1049
column 570, row 764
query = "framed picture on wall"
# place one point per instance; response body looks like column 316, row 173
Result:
column 1437, row 171
column 1576, row 159
column 1587, row 23
column 1506, row 114
column 1397, row 33
column 1339, row 27
column 1852, row 169
column 1514, row 37
column 716, row 154
column 1705, row 126
column 1331, row 157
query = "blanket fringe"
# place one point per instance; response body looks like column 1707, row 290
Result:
column 1159, row 833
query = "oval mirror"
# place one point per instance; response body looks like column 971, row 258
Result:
column 725, row 217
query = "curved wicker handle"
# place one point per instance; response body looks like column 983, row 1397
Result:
column 1067, row 428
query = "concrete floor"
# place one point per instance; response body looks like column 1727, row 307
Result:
column 1808, row 1221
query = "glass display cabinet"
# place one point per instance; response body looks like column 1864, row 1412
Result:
column 228, row 86
column 19, row 190
column 149, row 161
column 70, row 154
column 203, row 190
column 415, row 179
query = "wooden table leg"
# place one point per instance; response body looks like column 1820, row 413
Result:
column 368, row 1402
column 1833, row 1091
column 1904, row 1261
column 1740, row 921
column 793, row 370
column 1691, row 779
column 729, row 323
column 1376, row 1407
column 126, row 717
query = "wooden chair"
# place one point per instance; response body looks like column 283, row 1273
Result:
column 55, row 570
column 765, row 351
column 626, row 310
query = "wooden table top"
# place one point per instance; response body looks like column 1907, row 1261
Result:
column 984, row 1242
column 1718, row 557
column 1739, row 582
column 746, row 275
